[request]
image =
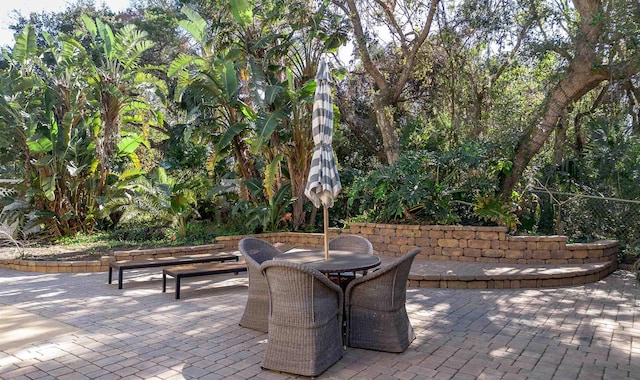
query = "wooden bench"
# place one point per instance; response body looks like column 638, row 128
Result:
column 196, row 270
column 121, row 266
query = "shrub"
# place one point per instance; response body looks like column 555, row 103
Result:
column 435, row 188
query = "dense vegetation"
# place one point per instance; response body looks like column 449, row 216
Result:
column 196, row 115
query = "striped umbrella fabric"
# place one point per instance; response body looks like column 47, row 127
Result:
column 323, row 184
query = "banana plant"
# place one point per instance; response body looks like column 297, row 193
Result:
column 209, row 85
column 116, row 88
column 49, row 135
column 269, row 207
column 57, row 126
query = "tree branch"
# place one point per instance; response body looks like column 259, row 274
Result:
column 407, row 70
column 349, row 7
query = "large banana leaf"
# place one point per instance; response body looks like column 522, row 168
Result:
column 228, row 135
column 129, row 144
column 229, row 81
column 241, row 10
column 266, row 124
column 41, row 145
column 195, row 25
column 271, row 176
column 108, row 39
column 26, row 45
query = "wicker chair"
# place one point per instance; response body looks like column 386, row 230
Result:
column 353, row 243
column 305, row 319
column 256, row 312
column 375, row 308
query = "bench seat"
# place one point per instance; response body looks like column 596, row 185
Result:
column 195, row 270
column 121, row 266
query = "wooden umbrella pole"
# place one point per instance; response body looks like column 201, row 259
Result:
column 326, row 230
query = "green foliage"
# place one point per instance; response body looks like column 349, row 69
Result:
column 492, row 209
column 607, row 166
column 434, row 188
column 410, row 191
column 79, row 108
column 182, row 153
column 143, row 235
column 264, row 213
column 159, row 197
column 72, row 120
column 241, row 11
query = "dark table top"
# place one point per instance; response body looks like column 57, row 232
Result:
column 339, row 261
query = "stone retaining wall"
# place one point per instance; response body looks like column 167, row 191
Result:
column 52, row 266
column 482, row 244
column 455, row 243
column 298, row 239
column 102, row 265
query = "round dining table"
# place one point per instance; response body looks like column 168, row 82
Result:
column 338, row 262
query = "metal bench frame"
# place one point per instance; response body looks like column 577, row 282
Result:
column 121, row 266
column 199, row 270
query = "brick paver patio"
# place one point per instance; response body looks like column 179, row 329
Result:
column 75, row 326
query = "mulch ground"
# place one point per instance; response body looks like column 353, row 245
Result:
column 58, row 252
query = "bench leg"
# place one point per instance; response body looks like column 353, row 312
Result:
column 120, row 275
column 164, row 282
column 178, row 287
column 110, row 274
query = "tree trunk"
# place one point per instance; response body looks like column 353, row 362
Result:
column 576, row 85
column 561, row 137
column 582, row 76
column 299, row 163
column 389, row 90
column 384, row 117
column 244, row 163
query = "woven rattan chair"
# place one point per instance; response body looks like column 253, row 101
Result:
column 352, row 243
column 255, row 252
column 305, row 319
column 375, row 308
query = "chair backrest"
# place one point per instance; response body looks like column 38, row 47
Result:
column 353, row 243
column 387, row 285
column 300, row 296
column 256, row 251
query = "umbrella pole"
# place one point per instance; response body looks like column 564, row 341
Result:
column 326, row 229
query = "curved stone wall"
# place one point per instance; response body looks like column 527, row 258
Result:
column 454, row 243
column 457, row 243
column 482, row 244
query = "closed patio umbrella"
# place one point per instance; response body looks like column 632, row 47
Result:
column 323, row 184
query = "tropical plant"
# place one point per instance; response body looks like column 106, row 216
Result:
column 119, row 89
column 252, row 94
column 157, row 198
column 409, row 191
column 492, row 209
column 49, row 136
column 435, row 187
column 268, row 209
column 208, row 85
column 63, row 114
column 264, row 215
